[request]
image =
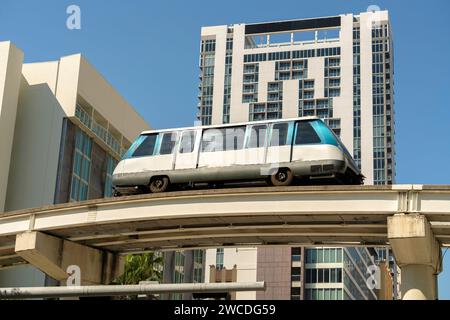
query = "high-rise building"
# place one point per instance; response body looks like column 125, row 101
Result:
column 338, row 68
column 63, row 129
column 316, row 273
column 185, row 266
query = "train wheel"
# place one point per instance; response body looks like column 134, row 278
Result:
column 159, row 184
column 283, row 177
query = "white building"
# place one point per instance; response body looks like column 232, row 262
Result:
column 338, row 68
column 63, row 128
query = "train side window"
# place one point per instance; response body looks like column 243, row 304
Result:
column 146, row 147
column 234, row 138
column 257, row 136
column 212, row 140
column 279, row 134
column 187, row 142
column 168, row 143
column 306, row 134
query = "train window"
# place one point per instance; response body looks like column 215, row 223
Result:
column 257, row 136
column 234, row 138
column 187, row 142
column 222, row 139
column 168, row 143
column 146, row 147
column 306, row 134
column 279, row 134
column 212, row 140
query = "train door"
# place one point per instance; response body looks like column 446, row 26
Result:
column 187, row 151
column 280, row 143
column 164, row 158
column 221, row 147
column 255, row 146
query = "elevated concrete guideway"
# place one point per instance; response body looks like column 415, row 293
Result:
column 337, row 215
column 298, row 215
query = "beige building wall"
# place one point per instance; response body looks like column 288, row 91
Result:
column 266, row 74
column 34, row 159
column 343, row 105
column 366, row 98
column 107, row 101
column 49, row 92
column 10, row 74
column 237, row 109
column 245, row 261
column 316, row 72
column 290, row 101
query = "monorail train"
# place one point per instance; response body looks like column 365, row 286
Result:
column 277, row 151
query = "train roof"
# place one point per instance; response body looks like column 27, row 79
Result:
column 230, row 124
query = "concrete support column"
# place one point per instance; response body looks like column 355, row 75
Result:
column 53, row 256
column 418, row 282
column 418, row 254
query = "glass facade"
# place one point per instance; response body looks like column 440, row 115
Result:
column 323, row 255
column 323, row 294
column 81, row 167
column 323, row 275
column 357, row 96
column 199, row 257
column 227, row 81
column 250, row 83
column 111, row 164
column 207, row 57
column 219, row 258
column 331, row 273
column 356, row 263
column 111, row 140
column 382, row 150
column 178, row 273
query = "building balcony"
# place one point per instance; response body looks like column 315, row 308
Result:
column 273, row 90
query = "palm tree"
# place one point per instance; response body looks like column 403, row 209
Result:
column 141, row 267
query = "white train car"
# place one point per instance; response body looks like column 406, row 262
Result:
column 278, row 151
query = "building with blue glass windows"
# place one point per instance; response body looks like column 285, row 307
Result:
column 67, row 129
column 338, row 68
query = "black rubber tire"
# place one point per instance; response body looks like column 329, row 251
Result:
column 283, row 177
column 159, row 184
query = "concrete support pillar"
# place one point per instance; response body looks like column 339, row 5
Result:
column 418, row 255
column 53, row 256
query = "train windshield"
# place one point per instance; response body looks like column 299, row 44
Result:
column 143, row 146
column 328, row 136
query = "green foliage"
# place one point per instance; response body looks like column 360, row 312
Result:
column 141, row 267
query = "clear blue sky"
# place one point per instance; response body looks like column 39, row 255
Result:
column 148, row 50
